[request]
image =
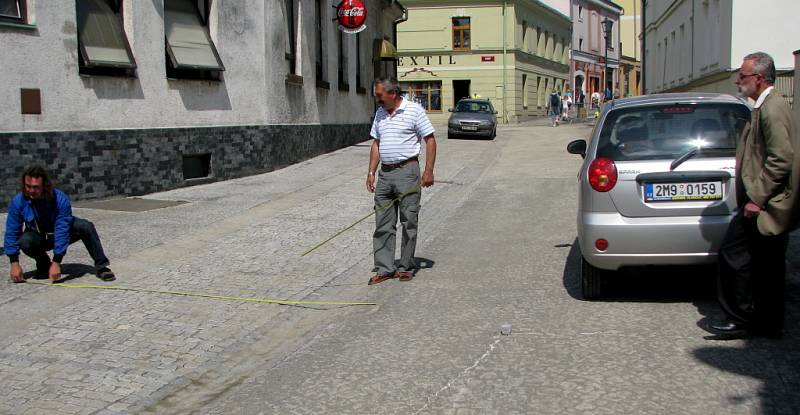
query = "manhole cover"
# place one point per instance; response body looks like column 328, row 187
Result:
column 133, row 204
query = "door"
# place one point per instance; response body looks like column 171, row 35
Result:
column 460, row 90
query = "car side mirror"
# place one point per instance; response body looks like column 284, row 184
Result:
column 577, row 147
column 449, row 110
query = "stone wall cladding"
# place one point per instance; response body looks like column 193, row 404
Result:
column 130, row 162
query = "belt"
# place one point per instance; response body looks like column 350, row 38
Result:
column 389, row 167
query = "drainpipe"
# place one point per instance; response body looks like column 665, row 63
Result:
column 394, row 29
column 505, row 109
column 644, row 46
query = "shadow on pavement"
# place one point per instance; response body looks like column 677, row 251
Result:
column 774, row 363
column 643, row 284
column 68, row 272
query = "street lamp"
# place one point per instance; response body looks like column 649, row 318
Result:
column 607, row 26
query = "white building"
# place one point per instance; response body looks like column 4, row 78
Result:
column 133, row 96
column 698, row 45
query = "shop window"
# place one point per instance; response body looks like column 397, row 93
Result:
column 426, row 94
column 191, row 53
column 461, row 33
column 102, row 44
column 12, row 11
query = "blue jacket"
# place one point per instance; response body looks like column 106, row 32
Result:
column 39, row 215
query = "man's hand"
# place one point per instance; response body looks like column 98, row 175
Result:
column 751, row 210
column 16, row 272
column 55, row 271
column 371, row 183
column 427, row 178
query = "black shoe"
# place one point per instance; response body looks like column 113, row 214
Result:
column 729, row 329
column 106, row 274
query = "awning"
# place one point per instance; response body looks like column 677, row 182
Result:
column 384, row 50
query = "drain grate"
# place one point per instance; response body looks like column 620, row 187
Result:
column 131, row 204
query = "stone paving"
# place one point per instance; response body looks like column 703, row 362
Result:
column 495, row 247
column 82, row 351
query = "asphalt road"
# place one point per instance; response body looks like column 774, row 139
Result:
column 496, row 247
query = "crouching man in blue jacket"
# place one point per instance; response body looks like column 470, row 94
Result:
column 46, row 214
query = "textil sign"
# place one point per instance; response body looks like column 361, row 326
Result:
column 352, row 16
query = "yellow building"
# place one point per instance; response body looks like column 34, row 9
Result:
column 631, row 59
column 513, row 52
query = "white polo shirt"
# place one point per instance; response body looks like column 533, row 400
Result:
column 400, row 133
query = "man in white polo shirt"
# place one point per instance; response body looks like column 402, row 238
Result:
column 398, row 129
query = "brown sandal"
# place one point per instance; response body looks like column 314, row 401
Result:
column 405, row 276
column 378, row 278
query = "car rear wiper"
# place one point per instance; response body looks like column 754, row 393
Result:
column 691, row 153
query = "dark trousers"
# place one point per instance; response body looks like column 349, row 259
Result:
column 35, row 245
column 752, row 276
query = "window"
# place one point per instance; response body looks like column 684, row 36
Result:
column 427, row 94
column 343, row 86
column 12, row 11
column 102, row 45
column 524, row 32
column 320, row 55
column 540, row 91
column 191, row 53
column 359, row 86
column 291, row 36
column 524, row 91
column 664, row 132
column 580, row 13
column 580, row 44
column 461, row 33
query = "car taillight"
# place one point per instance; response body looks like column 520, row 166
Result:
column 601, row 244
column 602, row 174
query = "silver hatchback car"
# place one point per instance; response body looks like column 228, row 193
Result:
column 657, row 183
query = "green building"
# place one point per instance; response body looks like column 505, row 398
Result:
column 512, row 52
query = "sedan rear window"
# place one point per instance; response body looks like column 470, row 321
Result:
column 668, row 131
column 474, row 106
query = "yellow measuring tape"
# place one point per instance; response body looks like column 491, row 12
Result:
column 203, row 295
column 376, row 211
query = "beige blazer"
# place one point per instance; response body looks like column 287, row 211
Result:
column 768, row 165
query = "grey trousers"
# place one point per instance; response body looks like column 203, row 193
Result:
column 391, row 185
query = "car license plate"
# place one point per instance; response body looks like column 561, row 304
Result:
column 673, row 192
column 469, row 128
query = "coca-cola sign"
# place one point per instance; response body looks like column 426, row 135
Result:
column 352, row 16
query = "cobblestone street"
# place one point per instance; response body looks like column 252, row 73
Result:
column 496, row 246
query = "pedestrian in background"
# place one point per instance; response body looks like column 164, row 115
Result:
column 752, row 258
column 554, row 107
column 398, row 129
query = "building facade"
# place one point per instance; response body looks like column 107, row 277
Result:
column 595, row 59
column 125, row 97
column 512, row 52
column 699, row 45
column 630, row 25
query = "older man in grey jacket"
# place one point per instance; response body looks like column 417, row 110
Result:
column 752, row 267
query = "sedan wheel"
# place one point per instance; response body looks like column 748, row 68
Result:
column 591, row 281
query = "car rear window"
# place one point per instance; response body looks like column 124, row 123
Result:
column 474, row 106
column 667, row 131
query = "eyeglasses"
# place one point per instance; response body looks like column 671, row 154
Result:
column 743, row 76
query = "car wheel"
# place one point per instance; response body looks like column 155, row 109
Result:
column 591, row 281
column 494, row 134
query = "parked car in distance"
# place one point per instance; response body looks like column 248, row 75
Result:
column 657, row 183
column 474, row 118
